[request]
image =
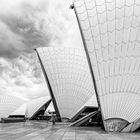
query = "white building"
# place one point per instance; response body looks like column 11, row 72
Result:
column 11, row 106
column 20, row 111
column 110, row 30
column 68, row 76
column 36, row 105
column 8, row 104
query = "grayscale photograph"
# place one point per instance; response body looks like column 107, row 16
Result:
column 69, row 69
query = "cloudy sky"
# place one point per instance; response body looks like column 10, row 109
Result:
column 25, row 25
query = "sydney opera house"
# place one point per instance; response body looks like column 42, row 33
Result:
column 111, row 38
column 107, row 68
column 99, row 81
column 14, row 107
column 68, row 77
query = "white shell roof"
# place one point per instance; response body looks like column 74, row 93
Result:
column 91, row 102
column 111, row 30
column 34, row 105
column 8, row 104
column 69, row 76
column 21, row 110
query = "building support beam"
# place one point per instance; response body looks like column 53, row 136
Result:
column 87, row 55
column 49, row 87
column 88, row 59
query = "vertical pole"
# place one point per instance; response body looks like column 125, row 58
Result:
column 49, row 87
column 87, row 56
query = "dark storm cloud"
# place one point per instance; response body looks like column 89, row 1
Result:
column 23, row 31
column 25, row 25
column 34, row 23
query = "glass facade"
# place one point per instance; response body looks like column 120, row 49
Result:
column 110, row 29
column 69, row 76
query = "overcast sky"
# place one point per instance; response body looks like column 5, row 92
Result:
column 25, row 25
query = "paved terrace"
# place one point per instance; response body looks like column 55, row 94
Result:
column 41, row 130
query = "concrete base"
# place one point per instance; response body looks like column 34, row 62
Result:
column 115, row 125
column 41, row 130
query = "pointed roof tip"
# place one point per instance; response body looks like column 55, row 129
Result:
column 71, row 6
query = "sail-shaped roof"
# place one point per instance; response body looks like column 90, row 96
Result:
column 69, row 76
column 110, row 31
column 35, row 105
column 20, row 110
column 8, row 104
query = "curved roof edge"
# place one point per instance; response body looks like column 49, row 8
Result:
column 20, row 110
column 35, row 105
